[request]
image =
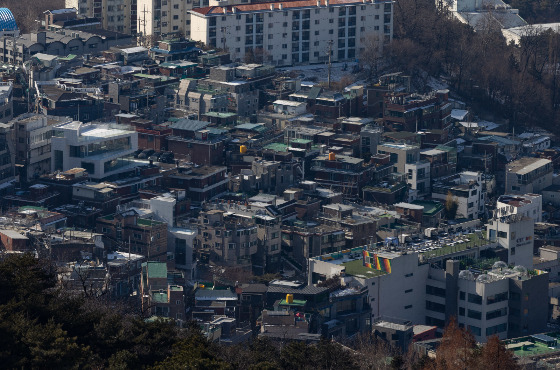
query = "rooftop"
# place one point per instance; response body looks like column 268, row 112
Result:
column 357, row 268
column 525, row 165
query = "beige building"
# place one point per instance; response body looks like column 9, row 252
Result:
column 115, row 15
column 288, row 32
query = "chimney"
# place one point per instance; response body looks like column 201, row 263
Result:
column 318, row 3
column 271, row 6
column 327, row 3
column 225, row 10
column 280, row 6
column 233, row 9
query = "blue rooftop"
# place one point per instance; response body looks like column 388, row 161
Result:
column 7, row 20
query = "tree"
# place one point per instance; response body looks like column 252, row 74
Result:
column 451, row 206
column 456, row 350
column 371, row 58
column 495, row 356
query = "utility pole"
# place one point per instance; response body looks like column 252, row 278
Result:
column 330, row 64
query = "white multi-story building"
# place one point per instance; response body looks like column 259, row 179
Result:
column 115, row 15
column 294, row 32
column 6, row 102
column 167, row 18
column 515, row 233
column 418, row 177
column 98, row 148
column 467, row 189
column 529, row 205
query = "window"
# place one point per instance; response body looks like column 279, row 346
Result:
column 496, row 313
column 497, row 298
column 475, row 330
column 137, row 236
column 432, row 290
column 477, row 315
column 408, row 307
column 461, row 311
column 408, row 291
column 433, row 306
column 409, row 275
column 474, row 298
column 274, row 247
column 274, row 235
column 496, row 329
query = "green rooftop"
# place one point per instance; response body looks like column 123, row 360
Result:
column 277, row 147
column 295, row 302
column 156, row 269
column 430, row 207
column 528, row 346
column 159, row 297
column 147, row 222
column 357, row 268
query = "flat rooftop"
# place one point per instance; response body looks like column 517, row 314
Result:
column 357, row 268
column 525, row 165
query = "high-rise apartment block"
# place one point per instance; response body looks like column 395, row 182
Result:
column 288, row 32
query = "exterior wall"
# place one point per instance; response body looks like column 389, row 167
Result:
column 528, row 306
column 180, row 243
column 406, row 287
column 473, row 311
column 290, row 36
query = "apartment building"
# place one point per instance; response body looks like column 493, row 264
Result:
column 516, row 234
column 467, row 189
column 226, row 241
column 126, row 230
column 202, row 183
column 6, row 102
column 115, row 15
column 160, row 297
column 413, row 112
column 7, row 157
column 288, row 33
column 33, row 134
column 528, row 175
column 99, row 148
column 529, row 205
column 166, row 18
column 343, row 173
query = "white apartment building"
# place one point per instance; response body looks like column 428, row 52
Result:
column 467, row 188
column 166, row 18
column 99, row 148
column 294, row 32
column 6, row 102
column 115, row 15
column 418, row 177
column 516, row 233
column 529, row 205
